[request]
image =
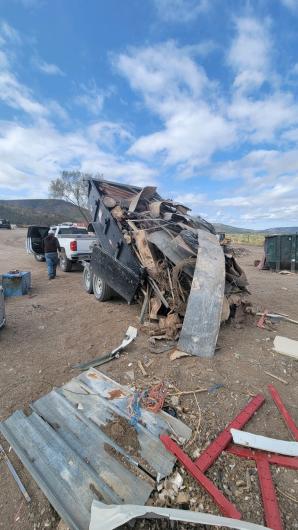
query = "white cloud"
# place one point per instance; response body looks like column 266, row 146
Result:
column 32, row 148
column 47, row 68
column 290, row 4
column 91, row 97
column 178, row 90
column 263, row 118
column 62, row 150
column 180, row 11
column 249, row 54
column 8, row 34
column 192, row 200
column 18, row 96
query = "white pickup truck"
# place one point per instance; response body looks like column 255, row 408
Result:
column 75, row 241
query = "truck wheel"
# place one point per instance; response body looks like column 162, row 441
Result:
column 88, row 280
column 102, row 291
column 65, row 264
column 39, row 257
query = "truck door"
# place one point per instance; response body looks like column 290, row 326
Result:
column 35, row 235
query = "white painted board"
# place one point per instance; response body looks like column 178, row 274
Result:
column 109, row 517
column 286, row 346
column 271, row 445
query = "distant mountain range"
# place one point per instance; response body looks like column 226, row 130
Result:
column 51, row 211
column 40, row 211
column 268, row 231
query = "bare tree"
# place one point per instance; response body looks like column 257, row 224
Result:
column 72, row 187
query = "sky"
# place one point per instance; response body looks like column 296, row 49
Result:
column 197, row 97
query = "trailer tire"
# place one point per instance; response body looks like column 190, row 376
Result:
column 39, row 257
column 65, row 264
column 88, row 280
column 102, row 291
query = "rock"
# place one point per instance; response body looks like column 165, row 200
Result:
column 182, row 498
column 176, row 481
column 240, row 483
column 175, row 401
column 196, row 453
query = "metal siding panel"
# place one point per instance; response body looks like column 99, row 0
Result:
column 89, row 442
column 65, row 450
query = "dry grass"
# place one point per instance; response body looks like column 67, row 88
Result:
column 247, row 238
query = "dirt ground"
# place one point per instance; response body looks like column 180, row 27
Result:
column 59, row 324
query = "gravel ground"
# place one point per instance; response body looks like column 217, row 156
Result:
column 59, row 324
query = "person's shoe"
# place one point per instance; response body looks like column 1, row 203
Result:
column 50, row 278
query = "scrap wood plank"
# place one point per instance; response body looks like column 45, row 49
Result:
column 282, row 409
column 272, row 513
column 146, row 194
column 286, row 346
column 222, row 502
column 263, row 461
column 290, row 462
column 203, row 312
column 146, row 254
column 216, row 447
column 265, row 443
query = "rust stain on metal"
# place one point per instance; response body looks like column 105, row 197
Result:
column 93, row 375
column 116, row 393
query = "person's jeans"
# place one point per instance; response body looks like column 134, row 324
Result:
column 52, row 262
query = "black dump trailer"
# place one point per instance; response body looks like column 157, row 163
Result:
column 151, row 249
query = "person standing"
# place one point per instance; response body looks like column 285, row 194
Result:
column 51, row 247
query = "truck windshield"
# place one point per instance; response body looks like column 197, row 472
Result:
column 72, row 230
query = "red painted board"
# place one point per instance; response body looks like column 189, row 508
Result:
column 282, row 409
column 222, row 502
column 291, row 462
column 216, row 447
column 271, row 510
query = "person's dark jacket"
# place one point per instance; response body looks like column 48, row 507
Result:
column 51, row 244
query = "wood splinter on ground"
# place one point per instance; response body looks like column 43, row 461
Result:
column 140, row 365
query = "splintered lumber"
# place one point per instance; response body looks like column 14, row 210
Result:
column 145, row 252
column 203, row 313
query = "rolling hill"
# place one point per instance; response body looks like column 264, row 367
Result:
column 52, row 211
column 40, row 211
column 267, row 232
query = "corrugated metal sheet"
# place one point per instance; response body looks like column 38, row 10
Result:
column 64, row 446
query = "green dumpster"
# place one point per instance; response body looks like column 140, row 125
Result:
column 281, row 252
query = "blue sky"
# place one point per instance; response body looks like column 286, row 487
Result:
column 198, row 97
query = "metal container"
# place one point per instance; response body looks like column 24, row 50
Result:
column 281, row 252
column 2, row 308
column 16, row 283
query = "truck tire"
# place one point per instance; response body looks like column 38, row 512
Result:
column 39, row 257
column 88, row 280
column 102, row 291
column 65, row 264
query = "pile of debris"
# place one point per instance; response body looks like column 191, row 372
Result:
column 168, row 259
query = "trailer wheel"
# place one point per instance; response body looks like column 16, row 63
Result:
column 39, row 257
column 88, row 280
column 102, row 291
column 65, row 264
